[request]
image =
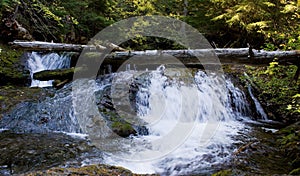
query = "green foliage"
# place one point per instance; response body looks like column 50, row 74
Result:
column 288, row 141
column 276, row 21
column 270, row 24
column 10, row 68
column 294, row 106
column 4, row 4
column 277, row 87
column 85, row 18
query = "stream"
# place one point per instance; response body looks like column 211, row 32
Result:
column 186, row 122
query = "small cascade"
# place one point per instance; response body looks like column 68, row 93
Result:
column 258, row 106
column 54, row 114
column 38, row 62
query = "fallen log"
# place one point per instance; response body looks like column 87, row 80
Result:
column 208, row 56
column 190, row 56
column 49, row 46
column 59, row 74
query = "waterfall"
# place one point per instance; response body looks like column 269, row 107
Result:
column 258, row 106
column 38, row 62
column 191, row 125
column 192, row 119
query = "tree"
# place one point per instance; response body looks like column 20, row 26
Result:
column 276, row 21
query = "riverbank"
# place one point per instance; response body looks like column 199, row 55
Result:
column 275, row 150
column 103, row 170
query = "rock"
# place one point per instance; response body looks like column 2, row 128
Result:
column 11, row 96
column 21, row 153
column 123, row 129
column 223, row 173
column 12, row 70
column 100, row 169
column 116, row 121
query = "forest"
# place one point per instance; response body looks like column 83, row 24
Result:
column 268, row 144
column 264, row 24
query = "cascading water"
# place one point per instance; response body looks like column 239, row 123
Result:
column 191, row 120
column 38, row 62
column 259, row 109
column 191, row 125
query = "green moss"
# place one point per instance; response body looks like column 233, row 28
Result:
column 60, row 74
column 101, row 169
column 121, row 126
column 223, row 173
column 10, row 96
column 118, row 124
column 92, row 55
column 11, row 70
column 277, row 90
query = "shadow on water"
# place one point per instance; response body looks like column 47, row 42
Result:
column 21, row 153
column 259, row 153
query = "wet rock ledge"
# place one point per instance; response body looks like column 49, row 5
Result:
column 103, row 170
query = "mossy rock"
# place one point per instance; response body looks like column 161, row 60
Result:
column 123, row 129
column 223, row 173
column 12, row 70
column 101, row 169
column 118, row 124
column 20, row 152
column 10, row 96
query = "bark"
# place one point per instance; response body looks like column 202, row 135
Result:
column 59, row 74
column 192, row 56
column 49, row 46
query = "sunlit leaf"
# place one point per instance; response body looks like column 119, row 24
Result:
column 219, row 17
column 289, row 8
column 260, row 24
column 269, row 4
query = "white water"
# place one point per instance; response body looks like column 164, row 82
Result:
column 191, row 126
column 258, row 106
column 38, row 62
column 2, row 129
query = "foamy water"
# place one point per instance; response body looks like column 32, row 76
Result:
column 191, row 126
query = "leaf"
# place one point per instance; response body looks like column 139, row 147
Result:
column 220, row 17
column 296, row 96
column 234, row 19
column 260, row 24
column 289, row 8
column 269, row 4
